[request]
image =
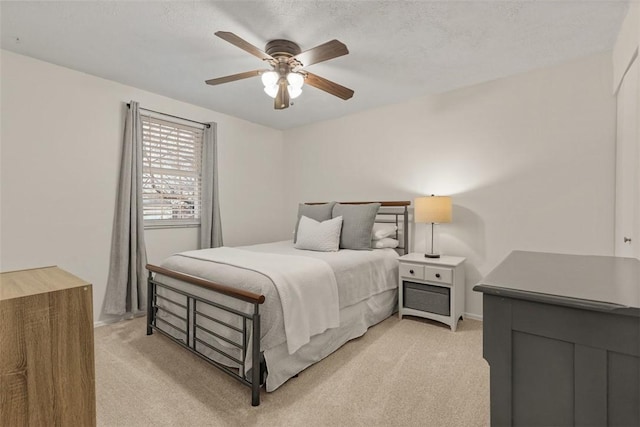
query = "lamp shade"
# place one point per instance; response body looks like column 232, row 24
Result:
column 294, row 92
column 434, row 209
column 272, row 91
column 295, row 80
column 269, row 78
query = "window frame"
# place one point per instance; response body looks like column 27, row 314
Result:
column 158, row 119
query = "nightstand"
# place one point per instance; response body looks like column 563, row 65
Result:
column 432, row 288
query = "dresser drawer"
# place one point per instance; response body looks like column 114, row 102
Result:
column 438, row 274
column 432, row 299
column 412, row 270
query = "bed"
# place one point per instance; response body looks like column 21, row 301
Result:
column 230, row 306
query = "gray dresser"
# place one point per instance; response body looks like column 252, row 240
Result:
column 562, row 338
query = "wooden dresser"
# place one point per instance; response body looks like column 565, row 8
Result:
column 46, row 349
column 562, row 337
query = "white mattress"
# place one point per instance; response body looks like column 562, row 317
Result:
column 360, row 275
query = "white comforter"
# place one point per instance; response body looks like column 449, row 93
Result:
column 359, row 275
column 306, row 286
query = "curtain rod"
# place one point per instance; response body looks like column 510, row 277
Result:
column 207, row 125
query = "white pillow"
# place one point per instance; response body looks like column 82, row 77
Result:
column 319, row 236
column 386, row 242
column 380, row 231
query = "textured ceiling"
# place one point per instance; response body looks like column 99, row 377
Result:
column 398, row 49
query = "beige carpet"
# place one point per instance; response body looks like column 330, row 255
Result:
column 409, row 372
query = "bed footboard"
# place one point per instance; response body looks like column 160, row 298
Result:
column 192, row 305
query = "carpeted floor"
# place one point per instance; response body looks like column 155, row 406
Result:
column 409, row 372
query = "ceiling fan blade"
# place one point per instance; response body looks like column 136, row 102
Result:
column 329, row 50
column 328, row 86
column 281, row 101
column 234, row 77
column 243, row 44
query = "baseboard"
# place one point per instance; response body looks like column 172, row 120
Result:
column 99, row 323
column 106, row 322
column 473, row 316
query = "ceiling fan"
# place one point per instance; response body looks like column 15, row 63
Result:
column 284, row 80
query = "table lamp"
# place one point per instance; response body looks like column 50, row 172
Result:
column 434, row 210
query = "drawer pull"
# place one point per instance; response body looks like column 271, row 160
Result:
column 411, row 271
column 438, row 275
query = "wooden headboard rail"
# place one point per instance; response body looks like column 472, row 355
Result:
column 385, row 204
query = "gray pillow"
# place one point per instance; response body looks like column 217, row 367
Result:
column 318, row 212
column 357, row 224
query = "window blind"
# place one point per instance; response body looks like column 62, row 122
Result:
column 171, row 172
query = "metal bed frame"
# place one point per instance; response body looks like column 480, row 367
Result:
column 195, row 331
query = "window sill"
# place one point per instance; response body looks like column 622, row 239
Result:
column 156, row 225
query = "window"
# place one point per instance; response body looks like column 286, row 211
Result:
column 171, row 173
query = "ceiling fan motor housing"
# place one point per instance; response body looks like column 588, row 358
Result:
column 282, row 48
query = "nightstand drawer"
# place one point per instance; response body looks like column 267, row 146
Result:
column 412, row 270
column 433, row 299
column 437, row 274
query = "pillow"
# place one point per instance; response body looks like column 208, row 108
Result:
column 318, row 212
column 386, row 242
column 357, row 224
column 380, row 231
column 319, row 236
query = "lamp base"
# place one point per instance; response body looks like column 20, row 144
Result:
column 432, row 255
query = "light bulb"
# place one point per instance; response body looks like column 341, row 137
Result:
column 269, row 78
column 272, row 90
column 296, row 80
column 294, row 92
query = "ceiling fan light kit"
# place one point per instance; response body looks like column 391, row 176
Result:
column 271, row 80
column 287, row 76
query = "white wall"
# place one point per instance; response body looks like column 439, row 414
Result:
column 529, row 161
column 61, row 135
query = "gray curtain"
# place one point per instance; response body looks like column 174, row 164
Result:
column 210, row 225
column 126, row 286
